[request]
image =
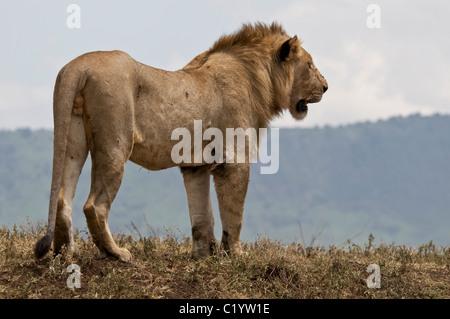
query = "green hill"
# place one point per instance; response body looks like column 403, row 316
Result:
column 390, row 178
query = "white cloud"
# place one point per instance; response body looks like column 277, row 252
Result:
column 53, row 63
column 372, row 74
column 176, row 61
column 25, row 105
column 238, row 11
column 357, row 86
column 399, row 69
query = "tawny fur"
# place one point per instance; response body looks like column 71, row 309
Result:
column 117, row 109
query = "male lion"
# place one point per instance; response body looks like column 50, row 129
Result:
column 118, row 109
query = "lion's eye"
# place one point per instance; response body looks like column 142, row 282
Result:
column 310, row 65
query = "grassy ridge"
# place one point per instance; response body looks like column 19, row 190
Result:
column 163, row 268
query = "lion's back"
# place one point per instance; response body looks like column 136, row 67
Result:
column 109, row 66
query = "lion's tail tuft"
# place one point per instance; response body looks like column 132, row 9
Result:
column 42, row 246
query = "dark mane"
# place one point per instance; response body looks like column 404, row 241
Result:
column 248, row 35
column 256, row 47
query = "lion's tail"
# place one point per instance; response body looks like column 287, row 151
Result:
column 66, row 87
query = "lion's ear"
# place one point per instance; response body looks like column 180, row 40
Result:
column 288, row 48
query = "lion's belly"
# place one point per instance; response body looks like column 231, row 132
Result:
column 151, row 157
column 152, row 148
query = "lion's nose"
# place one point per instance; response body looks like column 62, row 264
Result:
column 325, row 88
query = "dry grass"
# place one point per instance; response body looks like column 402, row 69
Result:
column 163, row 268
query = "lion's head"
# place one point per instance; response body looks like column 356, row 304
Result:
column 308, row 83
column 280, row 72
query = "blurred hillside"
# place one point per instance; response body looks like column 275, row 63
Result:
column 390, row 178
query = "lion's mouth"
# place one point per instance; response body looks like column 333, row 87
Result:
column 302, row 106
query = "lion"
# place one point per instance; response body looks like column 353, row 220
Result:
column 118, row 109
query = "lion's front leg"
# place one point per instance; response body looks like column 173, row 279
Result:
column 231, row 182
column 197, row 184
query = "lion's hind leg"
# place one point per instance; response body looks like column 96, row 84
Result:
column 76, row 153
column 108, row 165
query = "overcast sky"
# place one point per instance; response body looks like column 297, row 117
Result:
column 401, row 68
